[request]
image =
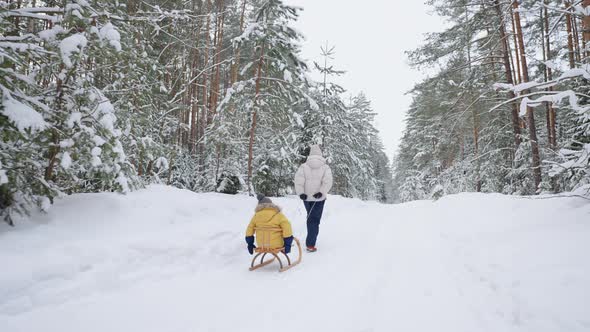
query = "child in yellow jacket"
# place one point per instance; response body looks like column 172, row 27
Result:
column 269, row 215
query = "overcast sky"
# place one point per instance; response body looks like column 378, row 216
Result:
column 371, row 37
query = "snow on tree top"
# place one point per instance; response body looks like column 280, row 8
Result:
column 66, row 160
column 51, row 34
column 109, row 33
column 19, row 47
column 71, row 44
column 251, row 29
column 23, row 116
column 314, row 106
column 288, row 76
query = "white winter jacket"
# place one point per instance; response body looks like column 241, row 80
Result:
column 314, row 176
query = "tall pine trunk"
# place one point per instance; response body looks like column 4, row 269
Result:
column 586, row 28
column 548, row 75
column 476, row 142
column 204, row 107
column 254, row 114
column 536, row 159
column 570, row 36
column 576, row 38
column 551, row 131
column 219, row 46
column 508, row 73
column 194, row 93
column 518, row 67
column 236, row 64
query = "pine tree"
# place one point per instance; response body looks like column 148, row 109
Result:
column 475, row 54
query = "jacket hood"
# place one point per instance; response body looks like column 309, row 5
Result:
column 315, row 150
column 315, row 161
column 263, row 206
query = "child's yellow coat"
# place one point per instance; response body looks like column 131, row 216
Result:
column 269, row 215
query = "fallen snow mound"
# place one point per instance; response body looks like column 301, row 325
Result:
column 167, row 260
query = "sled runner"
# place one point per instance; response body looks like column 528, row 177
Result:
column 263, row 234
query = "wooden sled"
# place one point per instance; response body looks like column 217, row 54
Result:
column 263, row 235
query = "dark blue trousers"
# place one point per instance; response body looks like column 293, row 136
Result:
column 314, row 211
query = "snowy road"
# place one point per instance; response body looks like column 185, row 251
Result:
column 168, row 260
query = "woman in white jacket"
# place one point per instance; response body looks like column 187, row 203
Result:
column 313, row 181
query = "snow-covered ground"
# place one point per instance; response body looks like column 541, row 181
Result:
column 168, row 260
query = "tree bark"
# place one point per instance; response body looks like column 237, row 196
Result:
column 55, row 137
column 254, row 114
column 219, row 44
column 17, row 18
column 508, row 73
column 53, row 151
column 516, row 55
column 476, row 143
column 586, row 29
column 576, row 38
column 194, row 101
column 551, row 131
column 536, row 159
column 548, row 73
column 187, row 102
column 204, row 97
column 570, row 39
column 236, row 64
column 194, row 87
